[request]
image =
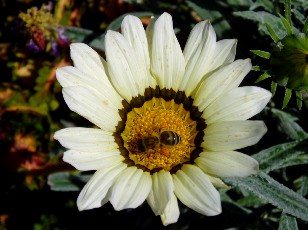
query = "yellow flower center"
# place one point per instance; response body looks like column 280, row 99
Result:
column 159, row 135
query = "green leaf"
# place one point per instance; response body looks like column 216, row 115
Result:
column 281, row 156
column 287, row 10
column 287, row 222
column 273, row 192
column 305, row 28
column 272, row 33
column 299, row 16
column 261, row 53
column 239, row 208
column 262, row 77
column 287, row 97
column 264, row 18
column 76, row 34
column 98, row 42
column 286, row 24
column 256, row 68
column 66, row 182
column 239, row 3
column 301, row 184
column 217, row 20
column 266, row 4
column 299, row 99
column 54, row 104
column 251, row 201
column 273, row 88
column 116, row 24
column 288, row 125
column 296, row 158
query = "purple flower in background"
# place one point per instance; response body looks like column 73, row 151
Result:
column 55, row 49
column 32, row 46
column 63, row 40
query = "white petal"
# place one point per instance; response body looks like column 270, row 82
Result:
column 94, row 192
column 231, row 135
column 130, row 189
column 218, row 183
column 198, row 55
column 82, row 101
column 149, row 33
column 224, row 53
column 127, row 73
column 89, row 62
column 194, row 189
column 85, row 161
column 71, row 76
column 132, row 29
column 167, row 60
column 172, row 212
column 221, row 81
column 86, row 139
column 162, row 190
column 227, row 164
column 238, row 104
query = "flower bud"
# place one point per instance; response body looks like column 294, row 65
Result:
column 289, row 62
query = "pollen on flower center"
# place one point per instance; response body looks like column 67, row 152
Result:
column 143, row 137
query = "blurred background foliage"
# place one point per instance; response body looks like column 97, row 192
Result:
column 38, row 190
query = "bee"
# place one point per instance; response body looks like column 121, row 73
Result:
column 169, row 138
column 149, row 142
column 165, row 138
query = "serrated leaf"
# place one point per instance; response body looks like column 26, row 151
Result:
column 266, row 4
column 217, row 20
column 256, row 68
column 288, row 125
column 98, row 42
column 305, row 28
column 287, row 10
column 264, row 18
column 262, row 53
column 77, row 34
column 272, row 33
column 116, row 24
column 262, row 77
column 287, row 222
column 287, row 97
column 286, row 24
column 299, row 16
column 251, row 201
column 273, row 192
column 301, row 184
column 282, row 155
column 67, row 182
column 239, row 3
column 299, row 99
column 273, row 88
column 296, row 158
column 235, row 206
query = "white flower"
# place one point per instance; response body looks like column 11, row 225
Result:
column 168, row 121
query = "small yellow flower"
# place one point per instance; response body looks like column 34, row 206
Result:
column 168, row 121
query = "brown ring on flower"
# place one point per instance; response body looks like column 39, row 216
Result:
column 144, row 117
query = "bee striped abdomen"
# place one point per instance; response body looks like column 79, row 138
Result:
column 169, row 138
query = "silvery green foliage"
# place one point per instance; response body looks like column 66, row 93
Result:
column 287, row 222
column 273, row 192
